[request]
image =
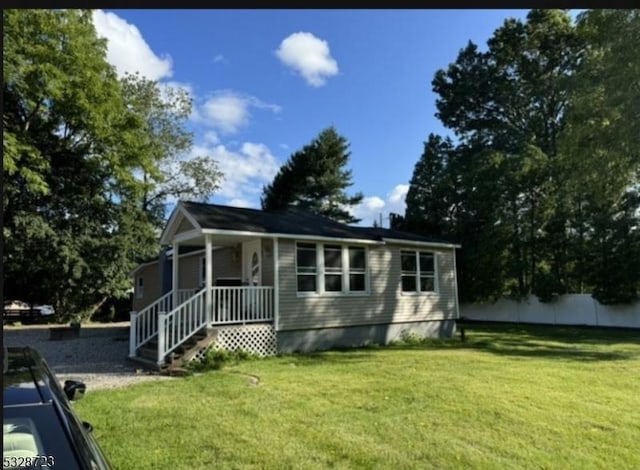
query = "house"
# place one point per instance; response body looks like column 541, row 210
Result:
column 288, row 280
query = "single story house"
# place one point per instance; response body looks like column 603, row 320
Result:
column 289, row 280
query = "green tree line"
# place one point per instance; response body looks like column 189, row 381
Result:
column 89, row 161
column 541, row 181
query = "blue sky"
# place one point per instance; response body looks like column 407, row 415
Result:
column 266, row 82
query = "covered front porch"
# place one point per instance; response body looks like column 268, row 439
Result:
column 247, row 297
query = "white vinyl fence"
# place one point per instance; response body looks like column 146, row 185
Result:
column 570, row 309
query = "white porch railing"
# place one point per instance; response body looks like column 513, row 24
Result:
column 174, row 326
column 144, row 324
column 186, row 294
column 180, row 324
column 246, row 304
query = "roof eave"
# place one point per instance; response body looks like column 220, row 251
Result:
column 401, row 241
column 169, row 231
column 215, row 231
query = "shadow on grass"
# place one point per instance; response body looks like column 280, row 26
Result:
column 528, row 341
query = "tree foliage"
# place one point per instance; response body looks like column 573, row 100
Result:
column 75, row 141
column 164, row 112
column 534, row 188
column 315, row 178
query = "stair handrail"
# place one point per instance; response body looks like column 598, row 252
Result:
column 180, row 324
column 144, row 324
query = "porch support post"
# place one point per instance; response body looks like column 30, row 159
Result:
column 175, row 276
column 133, row 334
column 208, row 282
column 276, row 284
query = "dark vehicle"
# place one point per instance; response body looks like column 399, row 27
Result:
column 39, row 427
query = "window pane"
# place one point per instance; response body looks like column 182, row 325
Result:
column 306, row 257
column 408, row 284
column 426, row 262
column 356, row 282
column 333, row 282
column 408, row 259
column 427, row 284
column 333, row 258
column 306, row 283
column 356, row 258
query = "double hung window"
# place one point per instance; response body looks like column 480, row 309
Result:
column 331, row 268
column 418, row 271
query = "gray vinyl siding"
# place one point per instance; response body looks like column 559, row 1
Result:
column 226, row 263
column 188, row 267
column 151, row 286
column 184, row 226
column 385, row 304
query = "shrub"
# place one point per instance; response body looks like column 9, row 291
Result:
column 216, row 359
column 409, row 338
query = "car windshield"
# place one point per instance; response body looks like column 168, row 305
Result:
column 32, row 431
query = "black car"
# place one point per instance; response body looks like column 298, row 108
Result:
column 39, row 427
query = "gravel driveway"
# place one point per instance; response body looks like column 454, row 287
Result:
column 98, row 357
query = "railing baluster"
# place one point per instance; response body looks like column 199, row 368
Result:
column 261, row 304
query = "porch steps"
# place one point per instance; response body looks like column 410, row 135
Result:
column 176, row 361
column 146, row 364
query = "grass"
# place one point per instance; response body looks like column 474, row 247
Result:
column 509, row 397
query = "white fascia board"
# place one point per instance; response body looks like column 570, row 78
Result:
column 165, row 238
column 239, row 233
column 195, row 233
column 192, row 253
column 169, row 256
column 419, row 243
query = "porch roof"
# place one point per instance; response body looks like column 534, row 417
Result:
column 292, row 221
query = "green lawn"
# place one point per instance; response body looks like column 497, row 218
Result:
column 509, row 397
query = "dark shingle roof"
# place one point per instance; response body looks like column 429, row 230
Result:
column 381, row 233
column 290, row 221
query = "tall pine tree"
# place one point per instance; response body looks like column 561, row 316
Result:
column 314, row 178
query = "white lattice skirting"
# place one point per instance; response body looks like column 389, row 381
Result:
column 256, row 339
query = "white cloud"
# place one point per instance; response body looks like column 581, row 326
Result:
column 127, row 50
column 239, row 202
column 309, row 56
column 396, row 198
column 227, row 111
column 219, row 58
column 211, row 138
column 368, row 210
column 245, row 170
column 372, row 206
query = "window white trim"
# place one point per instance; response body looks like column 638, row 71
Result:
column 357, row 271
column 345, row 271
column 309, row 273
column 418, row 274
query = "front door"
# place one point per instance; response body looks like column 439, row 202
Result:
column 252, row 263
